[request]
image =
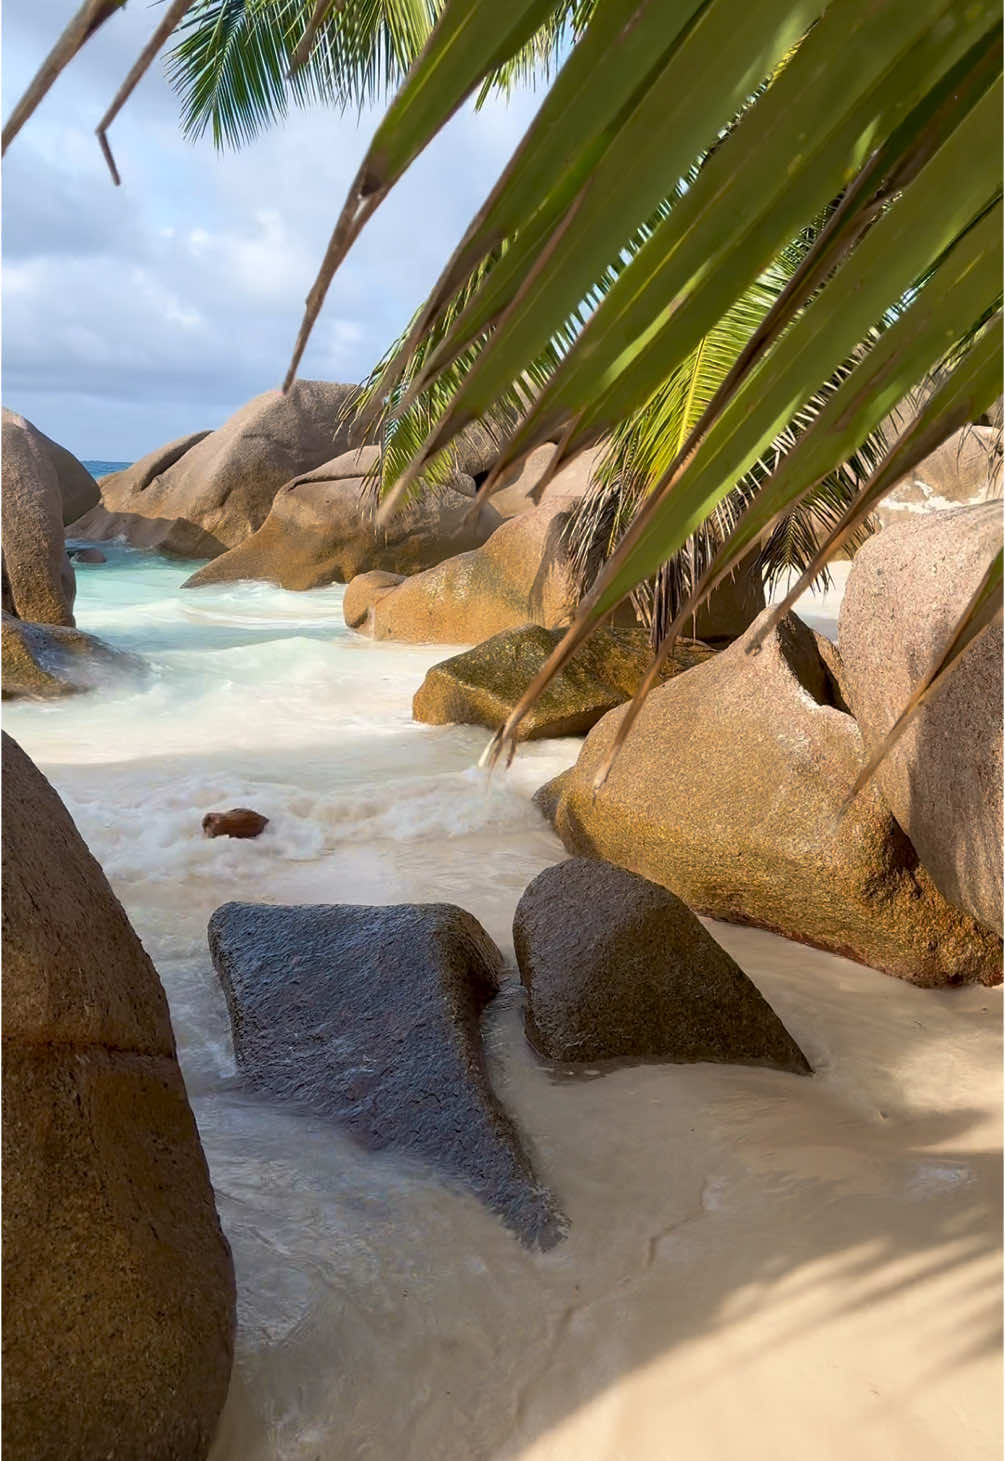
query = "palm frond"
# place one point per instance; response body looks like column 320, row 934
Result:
column 644, row 446
column 238, row 65
column 232, row 64
column 401, row 419
column 86, row 21
column 537, row 62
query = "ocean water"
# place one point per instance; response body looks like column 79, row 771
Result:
column 101, row 469
column 758, row 1264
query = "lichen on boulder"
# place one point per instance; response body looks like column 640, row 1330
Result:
column 482, row 685
column 46, row 661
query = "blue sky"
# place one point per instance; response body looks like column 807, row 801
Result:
column 132, row 315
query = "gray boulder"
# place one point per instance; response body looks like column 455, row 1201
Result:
column 370, row 1017
column 219, row 488
column 322, row 529
column 363, row 594
column 518, row 488
column 520, row 575
column 118, row 1286
column 616, row 966
column 39, row 583
column 943, row 778
column 118, row 489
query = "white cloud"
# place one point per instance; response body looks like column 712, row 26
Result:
column 138, row 313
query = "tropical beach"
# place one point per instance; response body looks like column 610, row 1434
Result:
column 455, row 1007
column 742, row 1242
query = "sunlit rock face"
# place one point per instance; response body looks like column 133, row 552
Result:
column 731, row 792
column 38, row 579
column 943, row 777
column 322, row 529
column 203, row 494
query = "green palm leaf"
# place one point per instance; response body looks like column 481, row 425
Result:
column 643, row 447
column 238, row 65
column 895, row 105
column 231, row 63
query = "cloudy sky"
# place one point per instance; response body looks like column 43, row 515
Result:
column 133, row 315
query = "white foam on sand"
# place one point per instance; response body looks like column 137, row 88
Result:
column 758, row 1265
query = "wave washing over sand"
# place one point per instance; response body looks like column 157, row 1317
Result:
column 758, row 1265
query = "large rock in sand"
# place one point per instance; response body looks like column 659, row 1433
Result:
column 39, row 583
column 482, row 685
column 965, row 469
column 616, row 966
column 943, row 777
column 118, row 1287
column 370, row 1017
column 730, row 792
column 219, row 488
column 45, row 661
column 322, row 529
column 520, row 575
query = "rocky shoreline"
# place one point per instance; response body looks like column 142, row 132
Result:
column 728, row 801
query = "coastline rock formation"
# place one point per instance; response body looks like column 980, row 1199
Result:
column 128, row 483
column 731, row 792
column 363, row 594
column 943, row 777
column 520, row 575
column 118, row 1285
column 203, row 494
column 38, row 578
column 482, row 685
column 618, row 967
column 963, row 470
column 77, row 488
column 321, row 529
column 370, row 1017
column 44, row 661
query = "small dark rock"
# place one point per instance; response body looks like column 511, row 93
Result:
column 238, row 822
column 87, row 555
column 616, row 967
column 370, row 1017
